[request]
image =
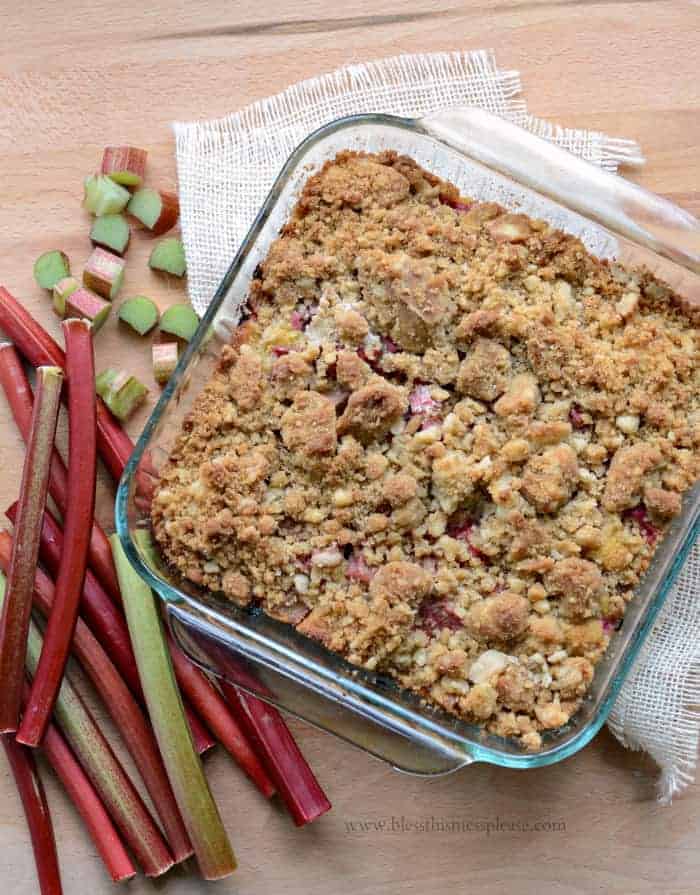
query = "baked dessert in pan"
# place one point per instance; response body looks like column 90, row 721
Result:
column 444, row 442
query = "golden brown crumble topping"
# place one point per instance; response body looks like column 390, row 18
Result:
column 444, row 443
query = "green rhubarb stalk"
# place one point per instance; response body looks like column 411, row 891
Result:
column 169, row 256
column 197, row 806
column 51, row 267
column 17, row 607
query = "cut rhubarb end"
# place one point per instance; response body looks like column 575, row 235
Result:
column 51, row 267
column 140, row 313
column 36, row 811
column 124, row 164
column 88, row 805
column 169, row 257
column 197, row 807
column 37, row 346
column 88, row 306
column 111, row 232
column 103, row 273
column 157, row 210
column 82, row 460
column 14, row 622
column 61, row 291
column 165, row 356
column 179, row 320
column 121, row 392
column 273, row 741
column 104, row 196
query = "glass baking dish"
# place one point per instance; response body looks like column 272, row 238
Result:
column 487, row 159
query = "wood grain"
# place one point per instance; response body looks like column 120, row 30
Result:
column 75, row 76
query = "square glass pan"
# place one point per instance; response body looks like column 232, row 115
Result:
column 487, row 159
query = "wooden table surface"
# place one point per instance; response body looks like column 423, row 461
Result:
column 75, row 76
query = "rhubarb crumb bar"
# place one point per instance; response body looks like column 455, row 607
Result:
column 444, row 443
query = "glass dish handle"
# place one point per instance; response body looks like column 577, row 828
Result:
column 618, row 204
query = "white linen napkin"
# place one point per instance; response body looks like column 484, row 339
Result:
column 225, row 169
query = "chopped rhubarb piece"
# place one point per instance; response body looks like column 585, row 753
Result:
column 140, row 313
column 297, row 321
column 460, row 529
column 179, row 320
column 104, row 196
column 640, row 515
column 120, row 391
column 576, row 417
column 421, row 402
column 111, row 232
column 457, row 204
column 89, row 306
column 279, row 350
column 51, row 267
column 157, row 210
column 358, row 570
column 434, row 615
column 169, row 257
column 61, row 291
column 389, row 345
column 164, row 361
column 124, row 164
column 103, row 273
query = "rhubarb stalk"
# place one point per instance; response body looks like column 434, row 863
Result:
column 36, row 810
column 274, row 743
column 128, row 718
column 83, row 795
column 17, row 607
column 18, row 392
column 37, row 347
column 197, row 806
column 104, row 770
column 82, row 460
column 103, row 620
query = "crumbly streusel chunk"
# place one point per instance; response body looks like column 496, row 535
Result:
column 444, row 443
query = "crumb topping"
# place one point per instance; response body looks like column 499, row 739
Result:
column 445, row 443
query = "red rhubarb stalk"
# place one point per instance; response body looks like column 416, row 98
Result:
column 129, row 719
column 103, row 618
column 36, row 810
column 37, row 347
column 18, row 392
column 274, row 743
column 82, row 794
column 17, row 606
column 82, row 463
column 216, row 713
